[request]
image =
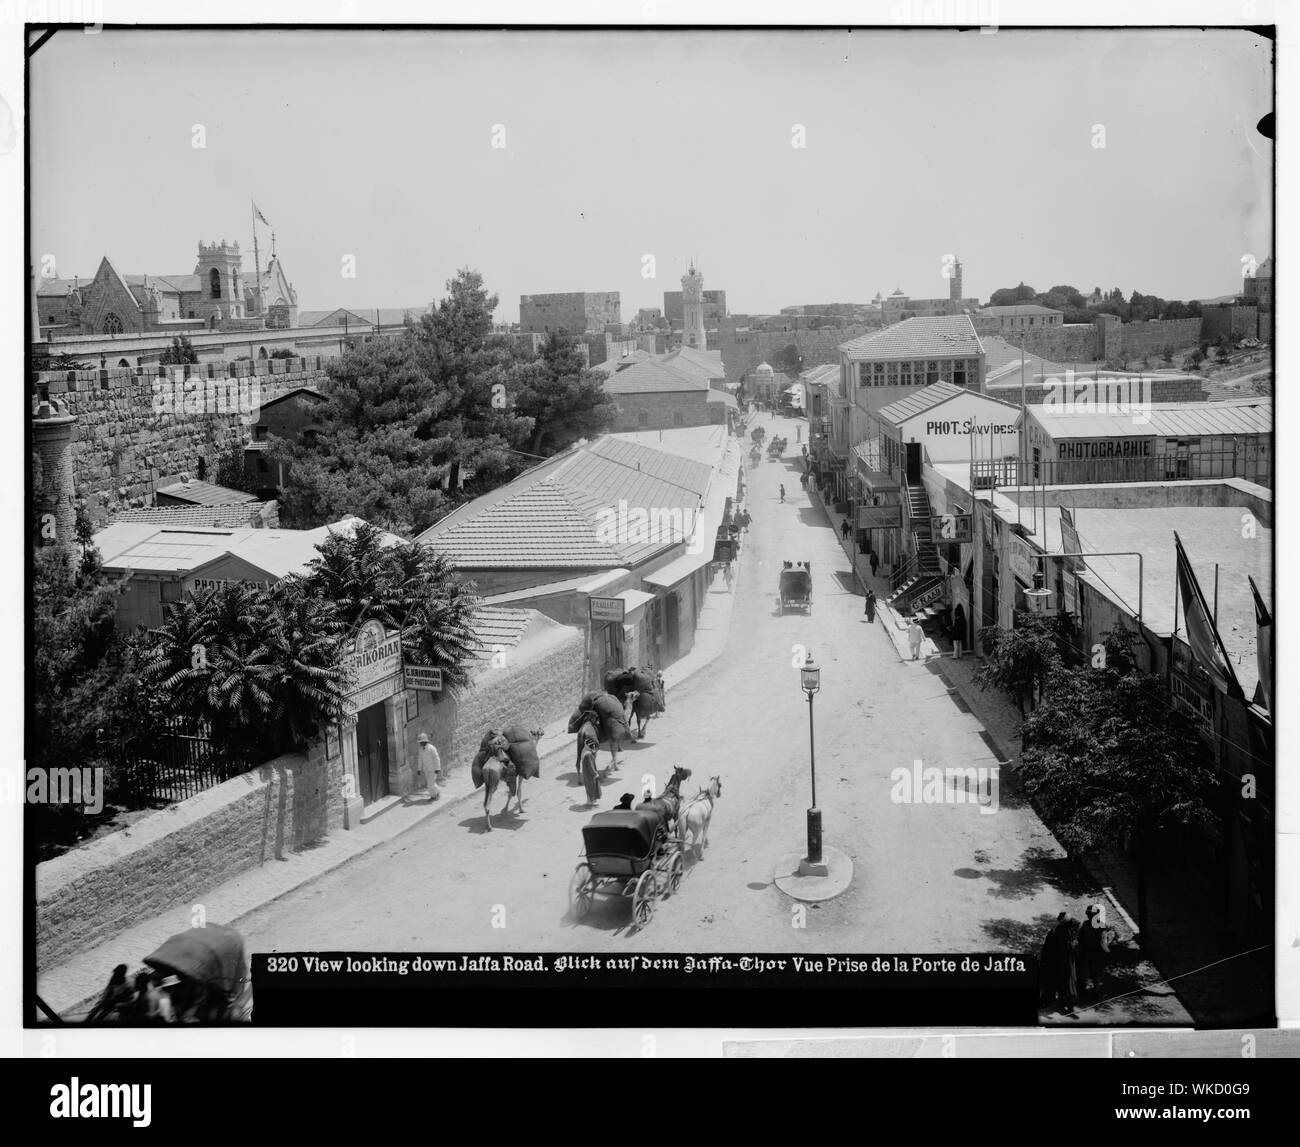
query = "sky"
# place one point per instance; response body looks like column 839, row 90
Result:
column 627, row 154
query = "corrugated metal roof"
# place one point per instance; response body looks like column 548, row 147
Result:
column 1161, row 420
column 937, row 336
column 928, row 397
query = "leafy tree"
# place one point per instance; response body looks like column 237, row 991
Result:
column 564, row 399
column 1021, row 660
column 180, row 353
column 231, row 471
column 259, row 669
column 790, row 361
column 1107, row 759
column 408, row 587
column 284, row 352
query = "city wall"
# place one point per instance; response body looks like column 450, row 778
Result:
column 742, row 351
column 175, row 856
column 133, row 435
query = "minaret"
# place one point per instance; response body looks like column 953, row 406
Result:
column 693, row 310
column 954, row 284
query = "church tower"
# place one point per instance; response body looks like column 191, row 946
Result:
column 221, row 289
column 693, row 310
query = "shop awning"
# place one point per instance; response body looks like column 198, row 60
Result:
column 635, row 599
column 679, row 570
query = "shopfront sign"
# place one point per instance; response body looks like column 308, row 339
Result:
column 606, row 609
column 1070, row 593
column 425, row 677
column 880, row 517
column 374, row 693
column 1194, row 697
column 921, row 600
column 376, row 655
column 952, row 528
column 1022, row 559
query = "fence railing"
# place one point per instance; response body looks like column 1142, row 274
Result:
column 1255, row 465
column 168, row 766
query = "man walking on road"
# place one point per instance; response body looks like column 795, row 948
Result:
column 915, row 635
column 431, row 766
column 783, row 491
column 875, row 563
column 844, row 529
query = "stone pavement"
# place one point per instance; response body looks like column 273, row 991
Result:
column 73, row 987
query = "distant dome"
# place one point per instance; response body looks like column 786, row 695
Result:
column 763, row 368
column 898, row 294
column 878, row 298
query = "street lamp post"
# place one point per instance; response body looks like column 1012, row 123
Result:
column 810, row 681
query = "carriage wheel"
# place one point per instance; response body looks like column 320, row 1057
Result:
column 675, row 867
column 582, row 891
column 643, row 899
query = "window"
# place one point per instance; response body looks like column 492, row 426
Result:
column 259, row 433
column 112, row 324
column 214, row 281
column 643, row 418
column 679, row 419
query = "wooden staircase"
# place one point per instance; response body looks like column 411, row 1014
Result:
column 921, row 573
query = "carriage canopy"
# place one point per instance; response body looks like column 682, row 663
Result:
column 629, row 833
column 212, row 955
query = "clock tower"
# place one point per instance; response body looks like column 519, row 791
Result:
column 693, row 310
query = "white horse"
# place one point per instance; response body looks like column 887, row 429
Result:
column 695, row 817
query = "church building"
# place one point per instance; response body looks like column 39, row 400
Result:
column 217, row 295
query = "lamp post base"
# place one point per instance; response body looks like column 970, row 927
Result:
column 814, row 836
column 801, row 880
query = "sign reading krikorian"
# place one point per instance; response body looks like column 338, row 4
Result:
column 952, row 528
column 607, row 608
column 879, row 517
column 368, row 666
column 425, row 677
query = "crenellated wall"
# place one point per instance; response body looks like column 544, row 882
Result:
column 138, row 428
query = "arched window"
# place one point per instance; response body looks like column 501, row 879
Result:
column 123, row 362
column 112, row 324
column 261, row 352
column 214, row 278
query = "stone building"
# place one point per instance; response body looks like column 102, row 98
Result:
column 216, row 295
column 576, row 312
column 714, row 308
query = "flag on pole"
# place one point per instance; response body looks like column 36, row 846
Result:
column 1207, row 645
column 1263, row 645
column 258, row 213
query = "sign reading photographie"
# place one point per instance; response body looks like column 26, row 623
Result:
column 606, row 608
column 880, row 517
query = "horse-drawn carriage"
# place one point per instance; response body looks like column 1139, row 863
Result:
column 197, row 976
column 635, row 853
column 776, row 448
column 796, row 586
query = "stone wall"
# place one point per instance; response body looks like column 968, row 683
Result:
column 575, row 311
column 1149, row 339
column 744, row 350
column 1154, row 388
column 173, row 857
column 535, row 685
column 1070, row 342
column 662, row 410
column 1228, row 319
column 137, row 428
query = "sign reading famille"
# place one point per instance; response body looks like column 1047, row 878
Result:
column 376, row 655
column 952, row 528
column 426, row 677
column 606, row 608
column 1021, row 557
column 880, row 517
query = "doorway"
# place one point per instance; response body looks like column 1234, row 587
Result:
column 670, row 626
column 372, row 753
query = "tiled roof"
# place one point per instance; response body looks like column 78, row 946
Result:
column 940, row 336
column 497, row 627
column 1020, row 309
column 707, row 364
column 241, row 515
column 206, row 494
column 654, row 376
column 167, row 284
column 554, row 521
column 1002, row 361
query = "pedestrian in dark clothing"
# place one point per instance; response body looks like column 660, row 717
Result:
column 871, row 605
column 875, row 563
column 1059, row 965
column 783, row 491
column 844, row 529
column 803, row 480
column 1094, row 946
